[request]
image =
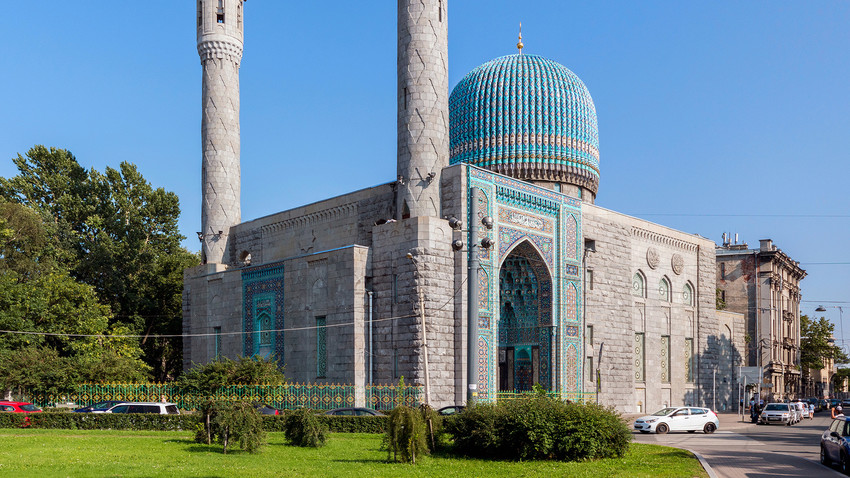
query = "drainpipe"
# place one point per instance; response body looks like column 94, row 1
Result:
column 370, row 341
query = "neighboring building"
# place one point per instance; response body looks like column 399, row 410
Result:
column 730, row 341
column 764, row 285
column 333, row 289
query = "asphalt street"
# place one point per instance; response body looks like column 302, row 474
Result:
column 743, row 449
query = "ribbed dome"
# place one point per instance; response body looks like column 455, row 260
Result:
column 527, row 117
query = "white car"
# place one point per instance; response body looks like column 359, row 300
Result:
column 676, row 419
column 803, row 409
column 777, row 413
column 144, row 407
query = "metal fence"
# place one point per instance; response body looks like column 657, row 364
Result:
column 284, row 397
column 563, row 396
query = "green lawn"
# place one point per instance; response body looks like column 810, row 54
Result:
column 49, row 453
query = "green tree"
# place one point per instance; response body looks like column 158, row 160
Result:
column 816, row 344
column 117, row 234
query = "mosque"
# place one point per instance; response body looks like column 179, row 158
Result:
column 483, row 267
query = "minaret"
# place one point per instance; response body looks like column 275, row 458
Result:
column 220, row 48
column 423, row 105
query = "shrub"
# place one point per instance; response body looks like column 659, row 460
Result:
column 110, row 421
column 405, row 437
column 590, row 431
column 539, row 428
column 237, row 422
column 302, row 428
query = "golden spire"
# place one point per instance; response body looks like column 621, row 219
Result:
column 519, row 45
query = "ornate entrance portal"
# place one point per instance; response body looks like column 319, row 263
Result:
column 525, row 321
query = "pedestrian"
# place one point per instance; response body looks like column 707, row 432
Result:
column 837, row 411
column 811, row 411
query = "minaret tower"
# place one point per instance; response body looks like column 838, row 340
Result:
column 220, row 48
column 423, row 105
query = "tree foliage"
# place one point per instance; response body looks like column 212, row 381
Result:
column 111, row 231
column 303, row 428
column 816, row 344
column 234, row 422
column 209, row 377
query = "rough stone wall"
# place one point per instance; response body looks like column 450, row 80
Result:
column 324, row 225
column 212, row 297
column 736, row 277
column 423, row 104
column 399, row 347
column 731, row 326
column 454, row 203
column 329, row 285
column 625, row 246
column 220, row 48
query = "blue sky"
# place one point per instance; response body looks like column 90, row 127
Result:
column 713, row 116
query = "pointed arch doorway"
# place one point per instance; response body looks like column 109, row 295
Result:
column 525, row 321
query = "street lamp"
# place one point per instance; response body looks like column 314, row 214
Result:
column 472, row 287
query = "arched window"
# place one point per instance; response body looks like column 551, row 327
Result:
column 638, row 285
column 239, row 16
column 200, row 15
column 688, row 294
column 219, row 12
column 664, row 289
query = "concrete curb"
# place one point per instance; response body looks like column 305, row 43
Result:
column 704, row 463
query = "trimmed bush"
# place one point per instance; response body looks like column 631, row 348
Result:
column 539, row 428
column 302, row 428
column 111, row 421
column 13, row 420
column 340, row 424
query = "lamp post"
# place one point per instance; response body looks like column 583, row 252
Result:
column 472, row 287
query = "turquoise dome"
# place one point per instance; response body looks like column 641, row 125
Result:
column 527, row 117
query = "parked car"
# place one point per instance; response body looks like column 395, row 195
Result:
column 451, row 410
column 777, row 413
column 834, row 446
column 144, row 407
column 354, row 411
column 98, row 407
column 18, row 407
column 264, row 409
column 800, row 411
column 674, row 419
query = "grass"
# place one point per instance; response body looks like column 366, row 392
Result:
column 49, row 453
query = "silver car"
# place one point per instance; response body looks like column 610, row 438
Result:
column 777, row 413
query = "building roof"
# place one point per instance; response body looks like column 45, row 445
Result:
column 527, row 117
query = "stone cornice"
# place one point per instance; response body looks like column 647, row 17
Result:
column 663, row 240
column 325, row 215
column 220, row 49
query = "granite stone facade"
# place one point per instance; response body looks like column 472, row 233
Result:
column 367, row 286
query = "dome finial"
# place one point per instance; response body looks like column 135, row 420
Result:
column 519, row 45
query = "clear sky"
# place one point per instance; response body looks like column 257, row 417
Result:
column 713, row 116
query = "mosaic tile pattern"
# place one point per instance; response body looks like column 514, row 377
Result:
column 509, row 236
column 526, row 116
column 507, row 199
column 262, row 295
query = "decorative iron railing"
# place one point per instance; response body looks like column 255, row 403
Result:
column 563, row 396
column 285, row 397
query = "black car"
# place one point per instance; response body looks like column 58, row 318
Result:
column 264, row 409
column 354, row 411
column 99, row 406
column 451, row 410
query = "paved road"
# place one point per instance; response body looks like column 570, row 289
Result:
column 742, row 449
